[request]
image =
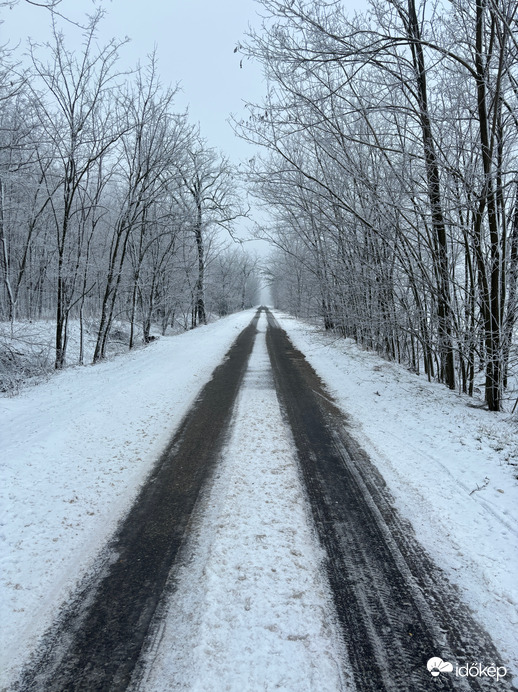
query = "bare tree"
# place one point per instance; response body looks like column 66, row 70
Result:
column 151, row 148
column 210, row 183
column 234, row 280
column 76, row 116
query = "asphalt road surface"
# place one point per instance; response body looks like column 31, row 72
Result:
column 396, row 609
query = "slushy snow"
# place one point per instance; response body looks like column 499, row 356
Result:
column 435, row 452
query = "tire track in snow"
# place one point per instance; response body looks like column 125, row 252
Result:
column 250, row 607
column 396, row 608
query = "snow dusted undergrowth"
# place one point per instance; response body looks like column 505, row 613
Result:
column 251, row 609
column 433, row 449
column 74, row 451
column 27, row 350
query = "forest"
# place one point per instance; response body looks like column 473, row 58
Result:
column 386, row 160
column 388, row 154
column 114, row 210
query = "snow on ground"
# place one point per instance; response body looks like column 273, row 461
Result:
column 251, row 609
column 74, row 451
column 434, row 450
column 27, row 349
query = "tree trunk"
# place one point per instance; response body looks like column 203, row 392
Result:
column 5, row 261
column 199, row 315
column 512, row 294
column 60, row 317
column 491, row 297
column 440, row 256
column 133, row 310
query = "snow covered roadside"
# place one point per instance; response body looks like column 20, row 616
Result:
column 251, row 609
column 433, row 450
column 74, row 452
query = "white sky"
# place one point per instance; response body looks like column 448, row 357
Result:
column 195, row 41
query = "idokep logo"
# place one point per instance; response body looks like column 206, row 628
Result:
column 436, row 666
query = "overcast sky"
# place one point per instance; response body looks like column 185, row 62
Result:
column 195, row 41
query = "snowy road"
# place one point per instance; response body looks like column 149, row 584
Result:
column 263, row 553
column 99, row 636
column 252, row 609
column 396, row 608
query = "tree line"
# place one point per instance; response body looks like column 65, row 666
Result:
column 111, row 202
column 389, row 159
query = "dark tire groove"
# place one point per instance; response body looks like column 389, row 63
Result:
column 97, row 641
column 395, row 607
